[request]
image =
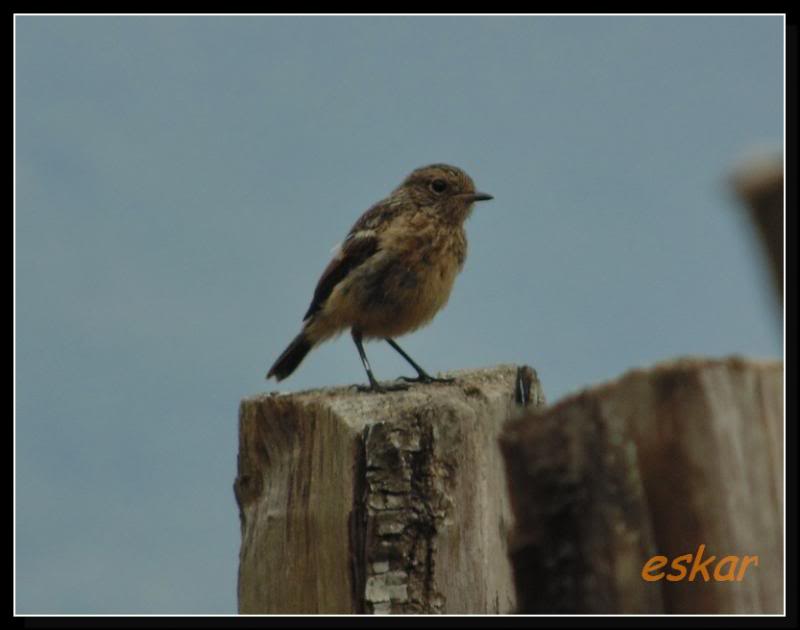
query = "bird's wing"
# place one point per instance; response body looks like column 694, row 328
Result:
column 376, row 219
column 357, row 247
column 362, row 241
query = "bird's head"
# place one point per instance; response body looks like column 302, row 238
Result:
column 442, row 189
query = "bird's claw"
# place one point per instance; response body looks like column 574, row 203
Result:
column 425, row 379
column 376, row 388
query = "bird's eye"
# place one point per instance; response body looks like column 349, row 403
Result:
column 438, row 185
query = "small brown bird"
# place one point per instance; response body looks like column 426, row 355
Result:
column 394, row 270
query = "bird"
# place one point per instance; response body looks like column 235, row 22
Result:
column 393, row 272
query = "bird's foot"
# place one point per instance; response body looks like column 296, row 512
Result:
column 377, row 388
column 426, row 378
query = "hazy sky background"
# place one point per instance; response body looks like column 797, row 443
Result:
column 180, row 183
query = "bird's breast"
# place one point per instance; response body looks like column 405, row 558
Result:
column 412, row 282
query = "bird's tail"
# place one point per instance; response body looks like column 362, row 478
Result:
column 291, row 357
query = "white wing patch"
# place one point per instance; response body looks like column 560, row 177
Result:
column 337, row 249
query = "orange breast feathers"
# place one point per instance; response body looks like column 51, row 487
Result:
column 399, row 287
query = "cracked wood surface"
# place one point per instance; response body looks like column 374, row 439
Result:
column 355, row 502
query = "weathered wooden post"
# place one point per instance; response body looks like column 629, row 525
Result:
column 646, row 469
column 759, row 184
column 354, row 502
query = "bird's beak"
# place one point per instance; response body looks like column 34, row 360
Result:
column 478, row 196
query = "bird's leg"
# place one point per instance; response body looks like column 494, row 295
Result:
column 374, row 386
column 422, row 375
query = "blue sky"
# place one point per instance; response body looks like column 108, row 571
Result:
column 180, row 182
